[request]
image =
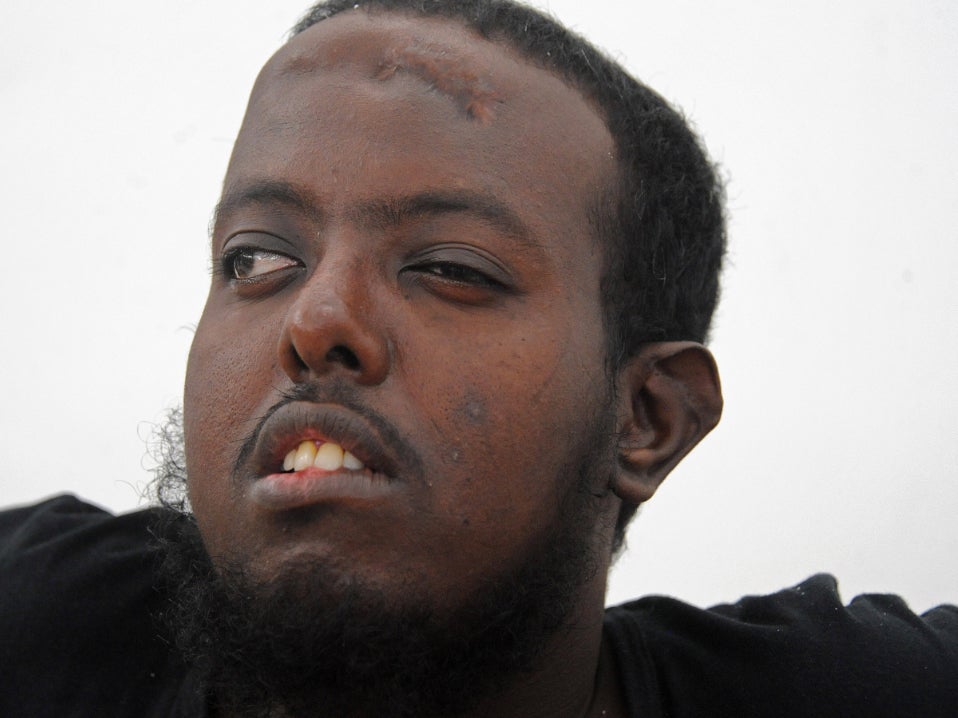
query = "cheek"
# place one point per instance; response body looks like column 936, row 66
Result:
column 508, row 416
column 224, row 380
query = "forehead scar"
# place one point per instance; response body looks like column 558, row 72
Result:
column 449, row 74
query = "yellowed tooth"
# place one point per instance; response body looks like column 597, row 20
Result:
column 289, row 460
column 351, row 462
column 305, row 453
column 329, row 457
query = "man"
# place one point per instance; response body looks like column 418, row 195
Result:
column 463, row 269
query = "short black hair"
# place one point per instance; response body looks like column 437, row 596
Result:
column 663, row 225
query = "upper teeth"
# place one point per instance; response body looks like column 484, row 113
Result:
column 324, row 455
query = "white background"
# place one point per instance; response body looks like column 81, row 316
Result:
column 835, row 122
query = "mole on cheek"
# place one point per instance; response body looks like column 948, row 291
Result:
column 473, row 411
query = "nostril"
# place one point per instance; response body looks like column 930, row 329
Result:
column 342, row 355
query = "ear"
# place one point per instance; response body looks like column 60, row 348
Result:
column 669, row 398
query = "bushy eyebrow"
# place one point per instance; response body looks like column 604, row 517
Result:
column 395, row 211
column 266, row 192
column 387, row 212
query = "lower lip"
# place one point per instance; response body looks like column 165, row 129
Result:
column 285, row 491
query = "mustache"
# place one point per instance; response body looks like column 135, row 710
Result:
column 340, row 394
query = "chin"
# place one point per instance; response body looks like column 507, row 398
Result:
column 304, row 628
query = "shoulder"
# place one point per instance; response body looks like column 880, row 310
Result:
column 76, row 612
column 796, row 652
column 46, row 520
column 64, row 543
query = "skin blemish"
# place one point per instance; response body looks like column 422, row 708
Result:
column 473, row 410
column 449, row 74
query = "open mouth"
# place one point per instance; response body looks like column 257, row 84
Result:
column 302, row 442
column 319, row 454
column 309, row 453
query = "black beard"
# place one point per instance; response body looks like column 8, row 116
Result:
column 318, row 642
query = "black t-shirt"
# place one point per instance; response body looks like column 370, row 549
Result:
column 78, row 638
column 795, row 653
column 77, row 633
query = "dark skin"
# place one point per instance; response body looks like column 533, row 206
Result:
column 405, row 229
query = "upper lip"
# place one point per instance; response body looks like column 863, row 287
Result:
column 294, row 422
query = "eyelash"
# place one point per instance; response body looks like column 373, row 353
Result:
column 457, row 273
column 441, row 272
column 226, row 266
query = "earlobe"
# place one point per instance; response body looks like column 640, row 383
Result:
column 670, row 397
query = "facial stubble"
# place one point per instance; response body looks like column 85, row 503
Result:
column 319, row 640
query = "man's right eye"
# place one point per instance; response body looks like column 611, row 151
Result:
column 247, row 263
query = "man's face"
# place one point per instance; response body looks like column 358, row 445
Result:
column 404, row 267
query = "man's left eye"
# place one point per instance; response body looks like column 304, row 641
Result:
column 459, row 273
column 244, row 263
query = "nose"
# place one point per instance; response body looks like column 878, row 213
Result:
column 330, row 328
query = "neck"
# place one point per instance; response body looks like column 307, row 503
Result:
column 576, row 676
